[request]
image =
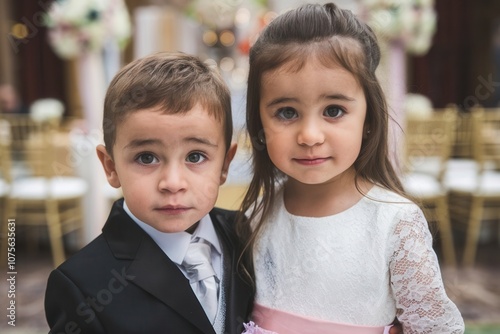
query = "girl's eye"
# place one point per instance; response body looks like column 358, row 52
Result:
column 146, row 159
column 195, row 158
column 286, row 113
column 333, row 111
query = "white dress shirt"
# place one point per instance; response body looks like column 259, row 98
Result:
column 175, row 245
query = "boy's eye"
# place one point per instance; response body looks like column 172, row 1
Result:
column 333, row 111
column 286, row 113
column 146, row 159
column 195, row 158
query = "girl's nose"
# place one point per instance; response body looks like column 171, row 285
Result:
column 310, row 134
column 172, row 179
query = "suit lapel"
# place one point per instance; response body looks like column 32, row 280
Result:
column 239, row 296
column 158, row 275
column 151, row 269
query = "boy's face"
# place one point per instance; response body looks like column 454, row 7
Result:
column 170, row 167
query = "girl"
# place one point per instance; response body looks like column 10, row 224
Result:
column 337, row 246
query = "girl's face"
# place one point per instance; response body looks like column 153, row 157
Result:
column 313, row 121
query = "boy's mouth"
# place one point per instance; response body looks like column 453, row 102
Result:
column 173, row 209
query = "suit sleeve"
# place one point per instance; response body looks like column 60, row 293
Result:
column 66, row 308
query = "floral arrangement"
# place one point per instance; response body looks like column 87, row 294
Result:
column 79, row 26
column 252, row 328
column 220, row 13
column 48, row 109
column 214, row 13
column 412, row 22
column 244, row 18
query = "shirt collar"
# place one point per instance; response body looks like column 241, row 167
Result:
column 206, row 230
column 175, row 245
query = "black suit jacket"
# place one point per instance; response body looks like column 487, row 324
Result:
column 122, row 282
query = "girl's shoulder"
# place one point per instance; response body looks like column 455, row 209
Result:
column 392, row 204
column 378, row 193
column 398, row 218
column 388, row 198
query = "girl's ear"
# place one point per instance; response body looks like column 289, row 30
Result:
column 109, row 166
column 227, row 161
column 366, row 131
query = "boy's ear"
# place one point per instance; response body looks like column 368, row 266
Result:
column 109, row 166
column 227, row 161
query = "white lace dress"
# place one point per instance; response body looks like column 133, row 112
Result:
column 363, row 266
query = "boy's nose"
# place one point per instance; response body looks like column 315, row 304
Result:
column 172, row 179
column 310, row 134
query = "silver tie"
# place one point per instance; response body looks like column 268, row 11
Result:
column 201, row 274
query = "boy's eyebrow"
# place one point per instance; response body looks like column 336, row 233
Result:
column 339, row 96
column 144, row 142
column 200, row 140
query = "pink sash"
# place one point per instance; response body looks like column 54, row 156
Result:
column 289, row 323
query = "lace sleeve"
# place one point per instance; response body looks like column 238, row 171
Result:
column 421, row 301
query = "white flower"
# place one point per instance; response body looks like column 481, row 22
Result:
column 418, row 45
column 428, row 21
column 46, row 109
column 66, row 45
column 417, row 106
column 426, row 3
column 384, row 22
column 216, row 13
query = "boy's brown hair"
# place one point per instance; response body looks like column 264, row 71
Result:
column 174, row 83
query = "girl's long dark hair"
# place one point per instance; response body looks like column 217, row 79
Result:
column 334, row 37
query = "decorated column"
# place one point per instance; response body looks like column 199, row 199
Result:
column 90, row 31
column 403, row 27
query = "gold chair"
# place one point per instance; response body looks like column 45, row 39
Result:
column 479, row 191
column 428, row 144
column 462, row 146
column 462, row 159
column 40, row 196
column 21, row 128
column 5, row 167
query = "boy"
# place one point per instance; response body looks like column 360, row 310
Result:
column 167, row 134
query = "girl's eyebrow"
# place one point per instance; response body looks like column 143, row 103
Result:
column 280, row 100
column 338, row 96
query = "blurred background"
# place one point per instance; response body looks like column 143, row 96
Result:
column 440, row 70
